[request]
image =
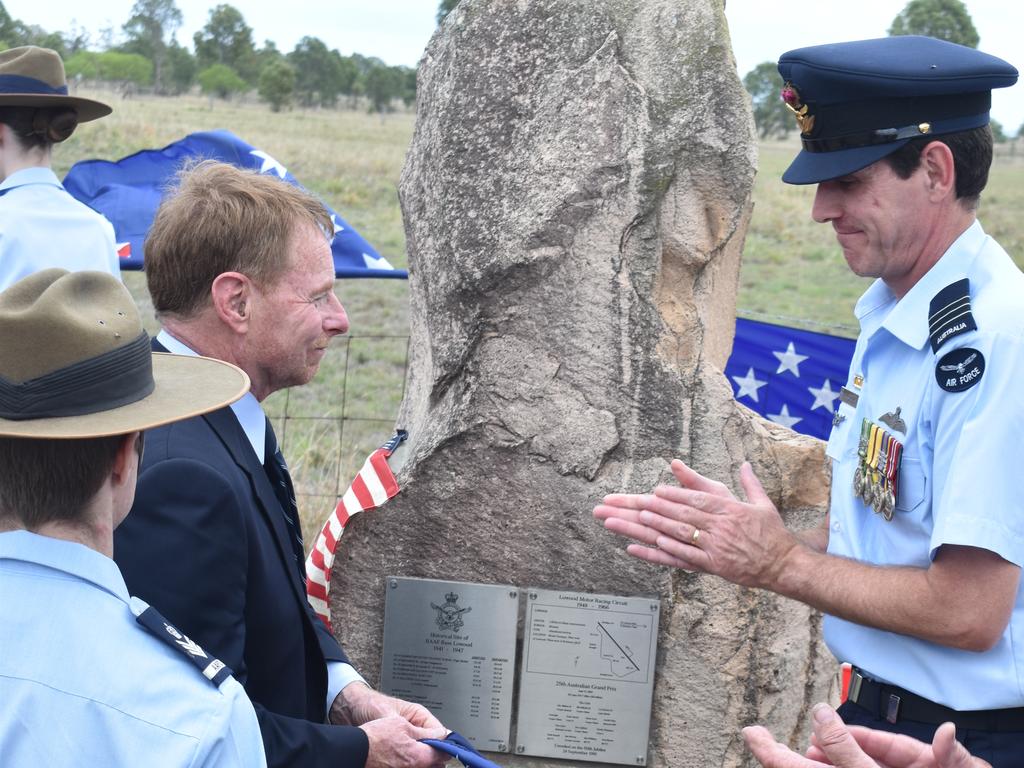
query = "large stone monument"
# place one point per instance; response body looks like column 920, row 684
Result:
column 575, row 201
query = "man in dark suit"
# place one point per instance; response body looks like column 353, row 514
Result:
column 239, row 268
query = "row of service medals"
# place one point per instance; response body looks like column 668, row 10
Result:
column 877, row 476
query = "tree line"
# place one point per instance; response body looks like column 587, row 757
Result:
column 943, row 19
column 225, row 60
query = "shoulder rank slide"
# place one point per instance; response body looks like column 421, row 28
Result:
column 213, row 669
column 949, row 313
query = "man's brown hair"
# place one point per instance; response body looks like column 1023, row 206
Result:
column 972, row 158
column 42, row 481
column 223, row 219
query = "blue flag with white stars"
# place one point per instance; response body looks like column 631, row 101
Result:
column 789, row 376
column 128, row 192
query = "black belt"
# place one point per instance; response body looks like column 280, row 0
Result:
column 892, row 703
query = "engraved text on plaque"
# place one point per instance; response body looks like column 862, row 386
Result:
column 451, row 646
column 587, row 676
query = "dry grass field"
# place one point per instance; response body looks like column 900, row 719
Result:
column 352, row 160
column 792, row 272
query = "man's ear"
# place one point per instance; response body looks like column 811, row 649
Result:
column 937, row 162
column 126, row 454
column 124, row 476
column 231, row 295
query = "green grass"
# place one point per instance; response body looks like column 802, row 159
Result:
column 793, row 271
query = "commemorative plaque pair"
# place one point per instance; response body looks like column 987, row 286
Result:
column 584, row 677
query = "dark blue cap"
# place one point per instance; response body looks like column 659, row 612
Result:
column 857, row 102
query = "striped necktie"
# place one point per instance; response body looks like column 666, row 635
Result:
column 281, row 481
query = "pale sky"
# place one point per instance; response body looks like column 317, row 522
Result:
column 398, row 30
column 763, row 29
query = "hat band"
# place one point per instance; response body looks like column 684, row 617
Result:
column 22, row 84
column 115, row 378
column 889, row 135
column 869, row 139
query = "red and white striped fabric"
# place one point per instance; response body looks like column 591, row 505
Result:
column 373, row 486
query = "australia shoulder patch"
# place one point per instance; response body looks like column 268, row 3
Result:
column 960, row 369
column 949, row 313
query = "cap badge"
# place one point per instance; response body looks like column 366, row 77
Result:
column 791, row 97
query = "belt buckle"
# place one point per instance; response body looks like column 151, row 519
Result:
column 892, row 712
column 856, row 679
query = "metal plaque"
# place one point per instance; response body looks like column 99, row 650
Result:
column 587, row 676
column 451, row 646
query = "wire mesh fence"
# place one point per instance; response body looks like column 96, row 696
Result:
column 328, row 427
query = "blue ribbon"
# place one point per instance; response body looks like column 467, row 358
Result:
column 458, row 746
column 22, row 84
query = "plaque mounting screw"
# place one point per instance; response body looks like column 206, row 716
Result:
column 654, row 606
column 502, row 747
column 520, row 749
column 393, row 583
column 533, row 595
column 513, row 593
column 640, row 760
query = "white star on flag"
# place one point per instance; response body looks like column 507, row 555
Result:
column 824, row 397
column 749, row 385
column 790, row 360
column 269, row 163
column 372, row 263
column 337, row 227
column 784, row 418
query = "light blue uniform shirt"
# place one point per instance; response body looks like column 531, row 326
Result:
column 83, row 684
column 959, row 481
column 42, row 226
column 253, row 421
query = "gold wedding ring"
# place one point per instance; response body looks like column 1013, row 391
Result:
column 695, row 536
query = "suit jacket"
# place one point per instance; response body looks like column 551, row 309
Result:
column 207, row 545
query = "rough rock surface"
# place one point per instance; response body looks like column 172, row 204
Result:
column 575, row 201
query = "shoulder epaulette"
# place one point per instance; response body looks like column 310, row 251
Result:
column 213, row 669
column 949, row 313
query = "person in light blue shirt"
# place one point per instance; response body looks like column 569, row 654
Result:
column 917, row 564
column 41, row 225
column 954, row 488
column 88, row 674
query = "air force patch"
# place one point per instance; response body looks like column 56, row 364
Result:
column 949, row 314
column 960, row 369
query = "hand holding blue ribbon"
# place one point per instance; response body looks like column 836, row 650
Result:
column 459, row 747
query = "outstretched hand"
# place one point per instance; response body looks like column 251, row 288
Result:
column 702, row 526
column 834, row 744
